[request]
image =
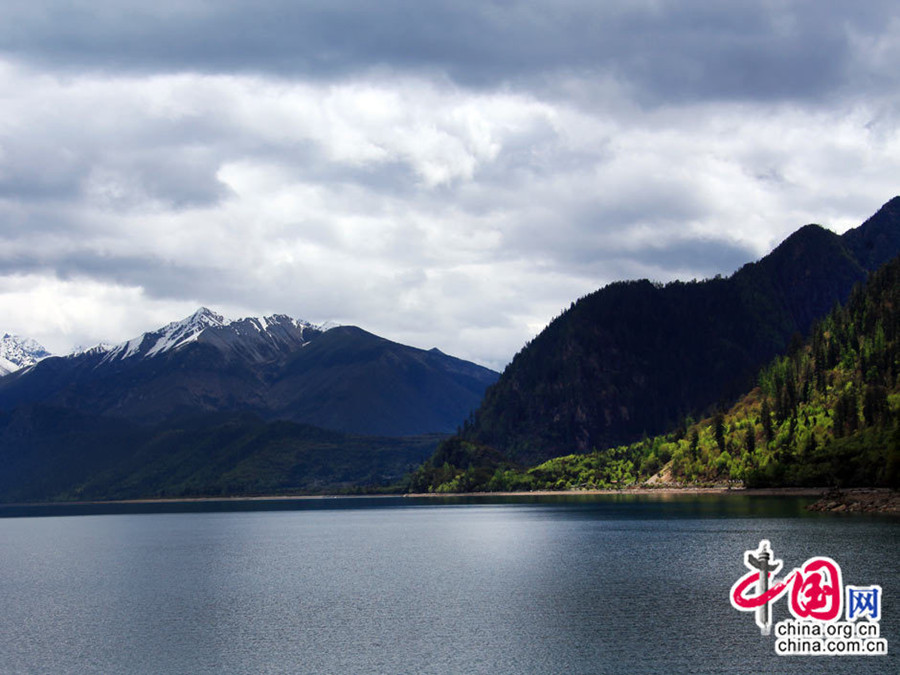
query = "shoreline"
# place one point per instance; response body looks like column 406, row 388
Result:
column 850, row 500
column 830, row 500
column 687, row 490
column 193, row 500
column 669, row 490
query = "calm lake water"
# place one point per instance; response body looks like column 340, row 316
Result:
column 610, row 584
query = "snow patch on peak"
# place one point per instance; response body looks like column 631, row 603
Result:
column 169, row 337
column 17, row 352
column 266, row 323
column 296, row 323
column 207, row 316
column 175, row 335
column 99, row 348
column 187, row 330
column 328, row 325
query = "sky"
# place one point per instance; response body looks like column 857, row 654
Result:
column 448, row 174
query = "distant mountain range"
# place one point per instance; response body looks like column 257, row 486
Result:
column 274, row 367
column 636, row 358
column 210, row 406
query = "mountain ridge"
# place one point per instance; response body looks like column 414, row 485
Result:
column 635, row 358
column 207, row 406
column 826, row 413
column 261, row 365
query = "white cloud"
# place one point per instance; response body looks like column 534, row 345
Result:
column 62, row 314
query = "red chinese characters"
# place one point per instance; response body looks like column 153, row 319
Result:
column 816, row 590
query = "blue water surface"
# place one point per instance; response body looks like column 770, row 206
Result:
column 600, row 584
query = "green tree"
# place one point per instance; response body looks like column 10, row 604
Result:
column 719, row 425
column 765, row 416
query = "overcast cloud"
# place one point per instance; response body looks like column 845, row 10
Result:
column 448, row 174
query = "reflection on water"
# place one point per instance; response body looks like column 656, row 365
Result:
column 531, row 585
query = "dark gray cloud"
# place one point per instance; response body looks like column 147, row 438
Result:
column 706, row 258
column 665, row 51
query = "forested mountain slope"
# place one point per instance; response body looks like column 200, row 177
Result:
column 635, row 358
column 825, row 413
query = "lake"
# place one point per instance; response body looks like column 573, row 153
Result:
column 599, row 584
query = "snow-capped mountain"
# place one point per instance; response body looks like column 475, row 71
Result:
column 169, row 337
column 17, row 352
column 256, row 338
column 276, row 367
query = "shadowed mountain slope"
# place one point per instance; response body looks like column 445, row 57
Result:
column 635, row 358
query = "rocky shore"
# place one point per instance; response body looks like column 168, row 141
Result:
column 859, row 500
